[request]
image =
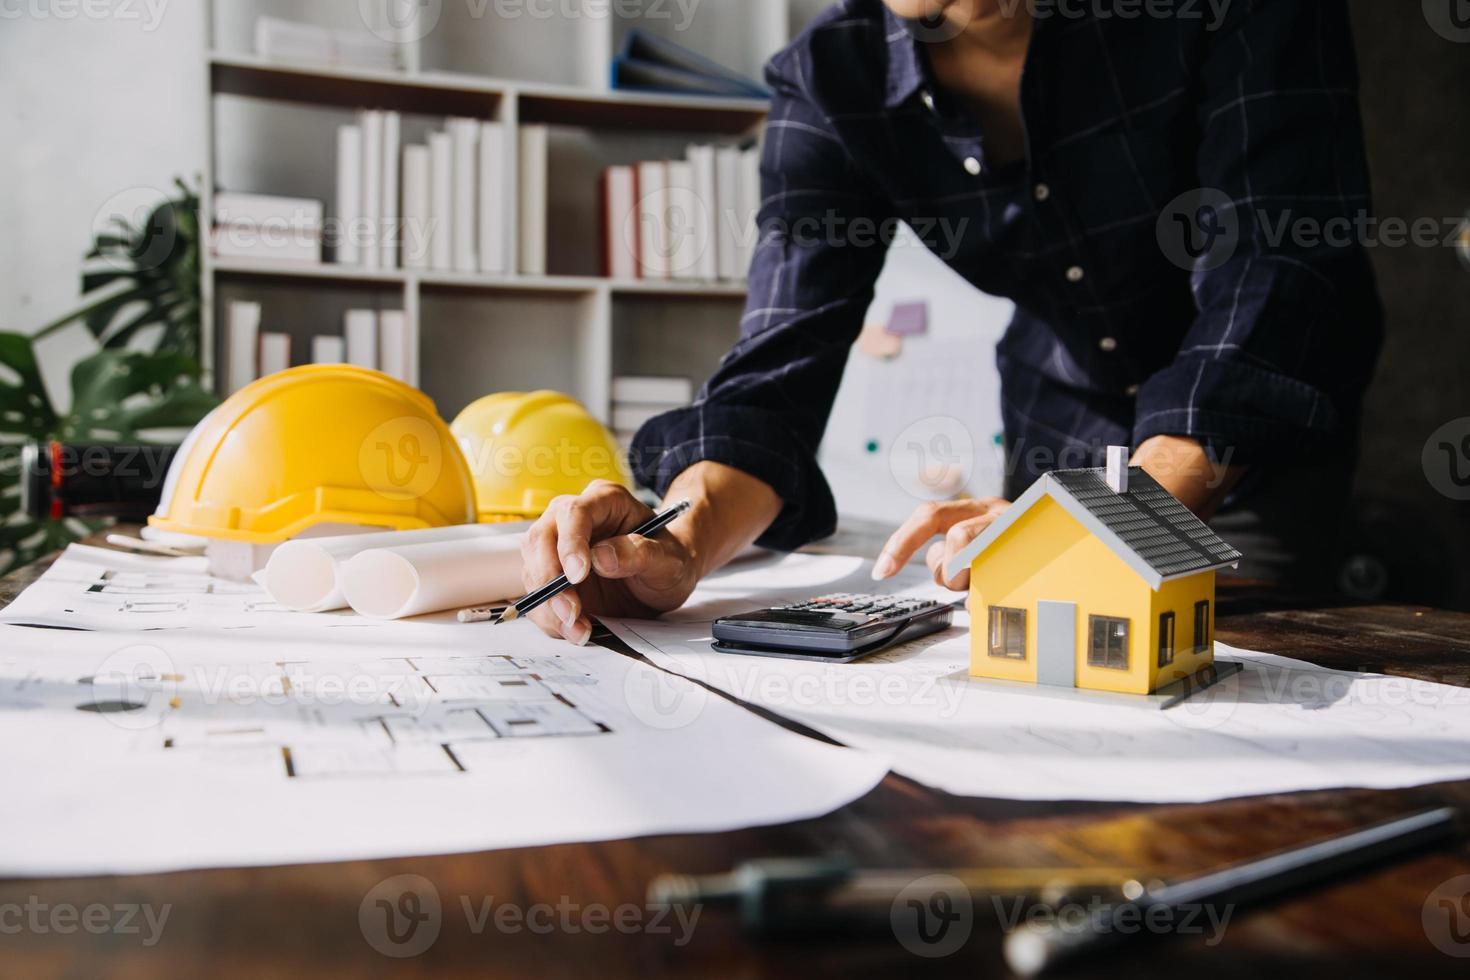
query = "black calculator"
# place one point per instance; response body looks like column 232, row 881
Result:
column 836, row 628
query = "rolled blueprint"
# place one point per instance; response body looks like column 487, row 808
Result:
column 398, row 582
column 302, row 574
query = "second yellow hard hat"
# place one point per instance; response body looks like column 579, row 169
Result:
column 526, row 449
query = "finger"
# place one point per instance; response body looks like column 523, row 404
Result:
column 934, row 558
column 956, row 540
column 634, row 556
column 541, row 564
column 603, row 509
column 575, row 521
column 926, row 521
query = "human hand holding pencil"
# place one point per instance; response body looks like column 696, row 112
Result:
column 618, row 557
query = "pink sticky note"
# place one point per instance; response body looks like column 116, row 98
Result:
column 909, row 319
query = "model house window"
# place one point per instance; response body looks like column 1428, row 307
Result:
column 1166, row 639
column 1108, row 643
column 1008, row 633
column 1201, row 626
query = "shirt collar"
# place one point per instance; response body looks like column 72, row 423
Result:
column 906, row 67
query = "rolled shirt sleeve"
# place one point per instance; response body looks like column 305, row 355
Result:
column 818, row 256
column 1288, row 321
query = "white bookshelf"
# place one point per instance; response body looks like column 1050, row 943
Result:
column 272, row 130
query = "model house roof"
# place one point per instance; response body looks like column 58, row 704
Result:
column 1144, row 525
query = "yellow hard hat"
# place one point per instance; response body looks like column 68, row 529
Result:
column 526, row 449
column 322, row 444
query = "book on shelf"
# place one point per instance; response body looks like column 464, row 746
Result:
column 441, row 202
column 360, row 329
column 636, row 399
column 275, row 353
column 629, row 418
column 464, row 135
column 395, row 346
column 371, row 122
column 679, row 222
column 242, row 343
column 653, row 208
column 417, row 223
column 619, row 199
column 492, row 195
column 648, row 62
column 289, row 41
column 390, row 236
column 747, row 212
column 705, row 213
column 534, row 151
column 728, row 228
column 669, row 392
column 328, row 349
column 267, row 210
column 692, row 219
column 290, row 246
column 349, row 195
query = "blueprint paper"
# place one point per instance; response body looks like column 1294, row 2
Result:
column 223, row 732
column 1279, row 726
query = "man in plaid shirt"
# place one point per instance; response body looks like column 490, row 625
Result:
column 1165, row 188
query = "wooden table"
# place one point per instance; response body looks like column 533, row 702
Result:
column 268, row 922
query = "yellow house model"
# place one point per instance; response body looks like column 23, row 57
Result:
column 1097, row 579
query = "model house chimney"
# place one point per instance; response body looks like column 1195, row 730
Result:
column 1118, row 469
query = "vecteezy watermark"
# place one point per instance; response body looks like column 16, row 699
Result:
column 1446, row 917
column 403, row 917
column 133, row 687
column 407, row 21
column 933, row 916
column 933, row 458
column 1203, row 228
column 1450, row 19
column 148, row 13
column 1446, row 459
column 1199, row 229
column 42, row 918
column 1121, row 918
column 937, row 21
column 402, row 458
column 942, row 695
column 136, row 687
column 136, row 228
column 665, row 701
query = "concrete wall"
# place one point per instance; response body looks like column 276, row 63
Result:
column 101, row 106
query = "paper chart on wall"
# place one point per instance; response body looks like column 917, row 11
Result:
column 1280, row 726
column 201, row 744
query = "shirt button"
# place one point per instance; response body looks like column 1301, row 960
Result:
column 973, row 166
column 1043, row 192
column 1075, row 274
column 927, row 97
column 1107, row 345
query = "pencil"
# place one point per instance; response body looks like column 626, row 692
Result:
column 560, row 584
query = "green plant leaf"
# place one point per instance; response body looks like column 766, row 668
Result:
column 25, row 408
column 139, row 278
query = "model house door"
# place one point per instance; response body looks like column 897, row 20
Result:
column 1056, row 643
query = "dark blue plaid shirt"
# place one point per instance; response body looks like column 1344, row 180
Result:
column 1174, row 241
